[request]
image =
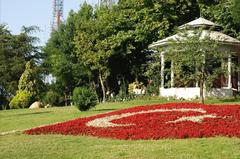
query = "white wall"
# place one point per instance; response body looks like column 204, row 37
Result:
column 194, row 92
column 186, row 93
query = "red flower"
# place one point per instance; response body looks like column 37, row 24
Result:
column 175, row 120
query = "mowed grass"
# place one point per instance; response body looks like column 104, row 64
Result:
column 20, row 119
column 23, row 146
column 78, row 147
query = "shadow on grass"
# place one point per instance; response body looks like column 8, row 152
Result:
column 104, row 110
column 230, row 100
column 224, row 101
column 46, row 112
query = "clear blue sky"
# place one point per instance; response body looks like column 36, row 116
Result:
column 16, row 13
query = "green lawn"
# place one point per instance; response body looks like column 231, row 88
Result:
column 20, row 119
column 23, row 146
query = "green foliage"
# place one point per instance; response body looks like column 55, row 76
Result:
column 22, row 99
column 118, row 36
column 4, row 99
column 52, row 98
column 26, row 81
column 3, row 102
column 123, row 90
column 84, row 98
column 96, row 45
column 153, row 72
column 224, row 13
column 60, row 60
column 30, row 81
column 236, row 11
column 153, row 87
column 92, row 46
column 15, row 51
column 196, row 59
column 28, row 88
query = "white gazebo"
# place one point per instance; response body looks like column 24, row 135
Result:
column 232, row 81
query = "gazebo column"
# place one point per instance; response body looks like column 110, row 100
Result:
column 229, row 71
column 172, row 75
column 162, row 69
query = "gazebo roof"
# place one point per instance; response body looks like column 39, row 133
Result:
column 213, row 35
column 200, row 22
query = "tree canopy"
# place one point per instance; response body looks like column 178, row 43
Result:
column 15, row 51
column 106, row 47
column 109, row 43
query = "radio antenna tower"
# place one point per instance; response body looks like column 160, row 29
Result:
column 57, row 14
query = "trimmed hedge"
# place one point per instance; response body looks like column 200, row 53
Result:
column 52, row 98
column 84, row 98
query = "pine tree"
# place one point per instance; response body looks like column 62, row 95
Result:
column 27, row 81
column 28, row 88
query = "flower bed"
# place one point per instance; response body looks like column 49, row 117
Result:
column 175, row 120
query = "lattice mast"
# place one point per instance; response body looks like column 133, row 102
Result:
column 57, row 13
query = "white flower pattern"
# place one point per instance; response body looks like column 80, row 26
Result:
column 105, row 122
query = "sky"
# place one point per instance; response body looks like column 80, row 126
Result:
column 16, row 13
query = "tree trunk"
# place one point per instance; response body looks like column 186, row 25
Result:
column 65, row 99
column 201, row 91
column 202, row 82
column 103, row 88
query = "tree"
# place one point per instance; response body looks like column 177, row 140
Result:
column 60, row 59
column 92, row 46
column 153, row 73
column 118, row 36
column 223, row 13
column 138, row 24
column 109, row 42
column 236, row 11
column 30, row 81
column 15, row 51
column 29, row 87
column 196, row 59
column 4, row 96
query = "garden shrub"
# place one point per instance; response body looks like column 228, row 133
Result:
column 52, row 98
column 84, row 98
column 22, row 99
column 152, row 89
column 3, row 102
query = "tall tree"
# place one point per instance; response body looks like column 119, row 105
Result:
column 224, row 14
column 29, row 87
column 236, row 11
column 91, row 42
column 15, row 51
column 118, row 36
column 60, row 59
column 139, row 23
column 31, row 81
